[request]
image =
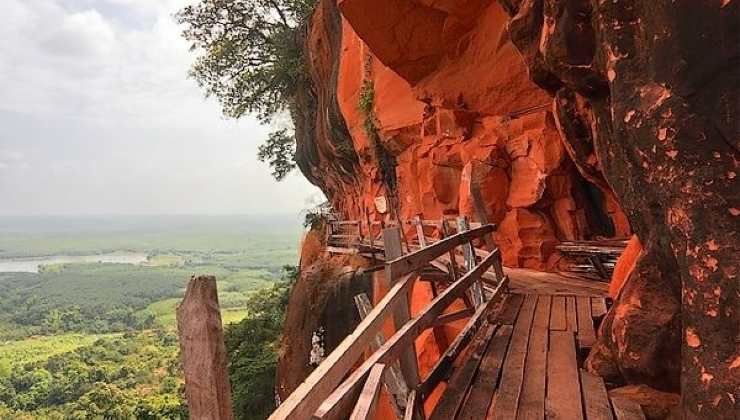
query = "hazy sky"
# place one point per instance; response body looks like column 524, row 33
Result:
column 97, row 115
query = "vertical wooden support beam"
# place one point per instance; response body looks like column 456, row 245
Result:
column 203, row 351
column 420, row 231
column 414, row 409
column 476, row 290
column 445, row 230
column 394, row 383
column 329, row 232
column 402, row 313
column 482, row 214
column 365, row 407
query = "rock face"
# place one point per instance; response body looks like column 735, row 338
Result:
column 654, row 82
column 578, row 120
column 446, row 117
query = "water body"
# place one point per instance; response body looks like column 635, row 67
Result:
column 31, row 265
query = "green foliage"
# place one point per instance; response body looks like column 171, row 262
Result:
column 251, row 56
column 93, row 298
column 366, row 101
column 132, row 373
column 37, row 349
column 312, row 217
column 279, row 153
column 112, row 378
column 252, row 348
column 251, row 59
column 366, row 106
column 102, row 298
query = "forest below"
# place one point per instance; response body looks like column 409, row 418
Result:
column 98, row 340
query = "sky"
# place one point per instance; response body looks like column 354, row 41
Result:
column 98, row 116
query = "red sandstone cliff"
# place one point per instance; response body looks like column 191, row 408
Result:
column 566, row 113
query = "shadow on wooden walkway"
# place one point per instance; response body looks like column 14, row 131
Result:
column 524, row 364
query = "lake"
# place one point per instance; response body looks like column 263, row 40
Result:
column 31, row 265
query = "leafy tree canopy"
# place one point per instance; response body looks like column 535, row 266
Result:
column 251, row 59
column 252, row 348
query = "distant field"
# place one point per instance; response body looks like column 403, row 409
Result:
column 164, row 311
column 244, row 253
column 37, row 349
column 265, row 238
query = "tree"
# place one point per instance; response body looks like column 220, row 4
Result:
column 252, row 348
column 104, row 401
column 252, row 61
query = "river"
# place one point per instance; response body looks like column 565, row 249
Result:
column 31, row 265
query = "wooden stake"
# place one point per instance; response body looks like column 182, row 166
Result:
column 203, row 351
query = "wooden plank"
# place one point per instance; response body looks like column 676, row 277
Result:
column 532, row 399
column 365, row 407
column 511, row 310
column 557, row 314
column 413, row 407
column 394, row 382
column 586, row 333
column 571, row 320
column 341, row 250
column 625, row 409
column 598, row 307
column 440, row 370
column 563, row 390
column 402, row 312
column 458, row 385
column 455, row 316
column 595, row 398
column 320, row 383
column 345, row 236
column 553, row 283
column 345, row 222
column 596, row 261
column 337, row 404
column 481, row 392
column 506, row 401
column 416, row 260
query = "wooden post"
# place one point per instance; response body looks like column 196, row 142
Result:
column 476, row 290
column 394, row 383
column 402, row 313
column 445, row 230
column 482, row 213
column 203, row 351
column 420, row 231
column 454, row 274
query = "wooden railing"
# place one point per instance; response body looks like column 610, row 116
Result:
column 334, row 391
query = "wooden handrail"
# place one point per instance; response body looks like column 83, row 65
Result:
column 417, row 260
column 339, row 403
column 322, row 381
column 323, row 394
column 440, row 369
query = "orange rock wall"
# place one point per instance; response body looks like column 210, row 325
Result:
column 471, row 115
column 466, row 114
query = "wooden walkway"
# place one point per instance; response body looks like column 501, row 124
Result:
column 525, row 363
column 517, row 357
